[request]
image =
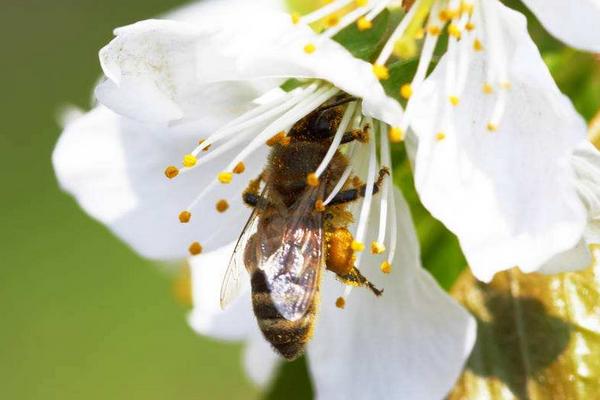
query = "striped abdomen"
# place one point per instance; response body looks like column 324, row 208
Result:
column 287, row 337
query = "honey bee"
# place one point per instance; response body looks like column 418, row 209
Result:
column 291, row 236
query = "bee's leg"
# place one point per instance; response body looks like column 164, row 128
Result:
column 362, row 135
column 347, row 196
column 356, row 279
column 252, row 197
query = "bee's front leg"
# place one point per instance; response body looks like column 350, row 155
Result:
column 252, row 197
column 350, row 195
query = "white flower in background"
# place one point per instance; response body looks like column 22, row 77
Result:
column 171, row 84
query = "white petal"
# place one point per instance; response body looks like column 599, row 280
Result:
column 114, row 168
column 508, row 195
column 411, row 343
column 166, row 64
column 575, row 259
column 207, row 317
column 575, row 22
column 260, row 360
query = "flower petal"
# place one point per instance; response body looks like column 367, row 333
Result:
column 411, row 343
column 575, row 22
column 114, row 167
column 260, row 360
column 166, row 65
column 507, row 195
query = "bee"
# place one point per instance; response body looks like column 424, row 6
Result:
column 291, row 236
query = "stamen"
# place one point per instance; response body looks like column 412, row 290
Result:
column 324, row 11
column 310, row 48
column 396, row 135
column 342, row 181
column 364, row 24
column 386, row 161
column 387, row 50
column 337, row 138
column 340, row 303
column 385, row 267
column 406, row 91
column 225, row 177
column 239, row 168
column 222, row 205
column 381, row 72
column 195, row 249
column 312, row 179
column 189, row 160
column 184, row 217
column 358, row 246
column 440, row 136
column 171, row 172
column 377, row 248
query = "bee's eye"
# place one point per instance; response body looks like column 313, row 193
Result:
column 321, row 125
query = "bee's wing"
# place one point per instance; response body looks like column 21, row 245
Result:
column 293, row 270
column 232, row 281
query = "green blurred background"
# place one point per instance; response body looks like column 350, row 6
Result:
column 82, row 317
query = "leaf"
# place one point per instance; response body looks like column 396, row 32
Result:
column 292, row 382
column 538, row 336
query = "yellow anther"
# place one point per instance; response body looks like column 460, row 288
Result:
column 477, row 45
column 319, row 205
column 420, row 34
column 385, row 267
column 310, row 48
column 225, row 177
column 361, row 3
column 445, row 15
column 406, row 91
column 487, row 88
column 396, row 135
column 295, row 18
column 454, row 31
column 492, row 127
column 440, row 136
column 434, row 30
column 381, row 72
column 312, row 179
column 364, row 24
column 189, row 160
column 506, row 85
column 358, row 246
column 469, row 26
column 171, row 172
column 184, row 217
column 340, row 303
column 222, row 205
column 195, row 248
column 239, row 168
column 202, row 141
column 454, row 100
column 377, row 248
column 466, row 7
column 332, row 20
column 406, row 47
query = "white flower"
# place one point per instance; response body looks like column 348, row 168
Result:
column 494, row 136
column 170, row 84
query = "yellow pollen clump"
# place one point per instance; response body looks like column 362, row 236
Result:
column 385, row 267
column 225, row 177
column 184, row 217
column 477, row 45
column 454, row 100
column 445, row 15
column 295, row 18
column 420, row 34
column 361, row 3
column 377, row 248
column 466, row 7
column 222, row 205
column 357, row 246
column 340, row 303
column 276, row 139
column 239, row 168
column 434, row 30
column 189, row 160
column 406, row 91
column 319, row 205
column 195, row 248
column 440, row 136
column 492, row 127
column 310, row 48
column 381, row 72
column 332, row 20
column 469, row 26
column 364, row 24
column 396, row 135
column 506, row 85
column 487, row 88
column 312, row 179
column 454, row 31
column 171, row 172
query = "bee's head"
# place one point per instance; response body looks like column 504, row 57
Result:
column 318, row 125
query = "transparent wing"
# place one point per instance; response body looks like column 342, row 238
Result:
column 290, row 253
column 232, row 281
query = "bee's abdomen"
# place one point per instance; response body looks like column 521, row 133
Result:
column 287, row 337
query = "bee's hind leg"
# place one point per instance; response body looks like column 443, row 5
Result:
column 355, row 278
column 252, row 197
column 350, row 195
